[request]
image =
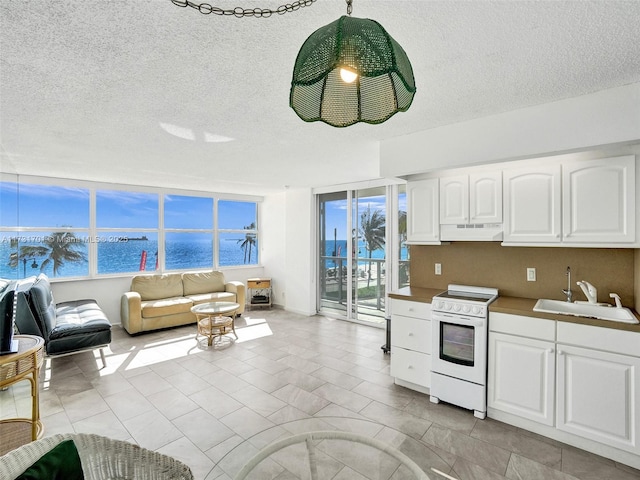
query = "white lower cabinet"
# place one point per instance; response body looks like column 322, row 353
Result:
column 410, row 366
column 576, row 383
column 599, row 391
column 411, row 344
column 521, row 377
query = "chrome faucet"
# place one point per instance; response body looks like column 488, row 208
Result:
column 568, row 291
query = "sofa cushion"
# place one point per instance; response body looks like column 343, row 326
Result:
column 77, row 315
column 81, row 324
column 155, row 287
column 213, row 297
column 202, row 282
column 62, row 462
column 43, row 305
column 165, row 306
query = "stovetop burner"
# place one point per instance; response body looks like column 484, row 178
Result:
column 465, row 299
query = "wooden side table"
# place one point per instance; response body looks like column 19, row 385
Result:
column 259, row 292
column 23, row 365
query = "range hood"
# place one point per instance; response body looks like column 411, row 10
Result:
column 472, row 232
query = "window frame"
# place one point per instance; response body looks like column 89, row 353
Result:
column 93, row 232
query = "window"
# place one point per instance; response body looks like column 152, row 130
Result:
column 45, row 228
column 188, row 224
column 127, row 231
column 237, row 233
column 53, row 229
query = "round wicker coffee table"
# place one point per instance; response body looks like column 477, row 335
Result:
column 215, row 319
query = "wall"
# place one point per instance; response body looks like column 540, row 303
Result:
column 300, row 282
column 489, row 264
column 637, row 279
column 273, row 244
column 587, row 122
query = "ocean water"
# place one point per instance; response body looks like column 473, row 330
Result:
column 338, row 248
column 127, row 257
column 132, row 256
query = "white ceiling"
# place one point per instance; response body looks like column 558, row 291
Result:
column 138, row 92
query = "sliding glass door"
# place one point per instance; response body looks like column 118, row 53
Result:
column 369, row 214
column 333, row 227
column 359, row 230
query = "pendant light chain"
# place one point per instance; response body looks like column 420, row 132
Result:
column 349, row 7
column 240, row 12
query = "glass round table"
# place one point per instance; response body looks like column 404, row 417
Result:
column 333, row 447
column 215, row 319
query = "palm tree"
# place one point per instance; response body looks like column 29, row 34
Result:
column 58, row 248
column 402, row 225
column 372, row 229
column 402, row 231
column 248, row 242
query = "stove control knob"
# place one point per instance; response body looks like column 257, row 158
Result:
column 440, row 304
column 466, row 309
column 476, row 310
column 447, row 306
column 456, row 308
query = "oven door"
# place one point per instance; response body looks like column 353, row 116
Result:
column 459, row 346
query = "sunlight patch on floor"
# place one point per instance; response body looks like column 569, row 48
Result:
column 252, row 332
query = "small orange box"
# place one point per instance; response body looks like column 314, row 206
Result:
column 258, row 282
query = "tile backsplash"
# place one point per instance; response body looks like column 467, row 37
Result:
column 489, row 264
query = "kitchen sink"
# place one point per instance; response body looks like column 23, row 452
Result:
column 585, row 310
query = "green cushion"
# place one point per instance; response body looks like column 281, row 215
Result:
column 60, row 463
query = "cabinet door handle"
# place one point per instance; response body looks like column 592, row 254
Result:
column 410, row 334
column 410, row 367
column 549, row 350
column 560, row 352
column 410, row 309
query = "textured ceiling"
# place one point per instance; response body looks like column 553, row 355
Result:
column 147, row 93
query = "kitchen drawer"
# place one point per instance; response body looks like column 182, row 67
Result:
column 258, row 283
column 411, row 333
column 411, row 366
column 411, row 309
column 522, row 326
column 599, row 338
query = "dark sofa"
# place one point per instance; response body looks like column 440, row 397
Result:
column 66, row 327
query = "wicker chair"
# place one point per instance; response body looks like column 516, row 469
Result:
column 102, row 458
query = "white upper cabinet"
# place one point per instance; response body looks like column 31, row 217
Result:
column 454, row 200
column 423, row 225
column 485, row 197
column 599, row 200
column 474, row 198
column 532, row 208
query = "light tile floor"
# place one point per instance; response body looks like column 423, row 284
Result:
column 214, row 408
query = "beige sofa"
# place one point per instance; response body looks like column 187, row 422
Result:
column 161, row 301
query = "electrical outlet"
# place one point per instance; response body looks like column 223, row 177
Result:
column 438, row 269
column 531, row 274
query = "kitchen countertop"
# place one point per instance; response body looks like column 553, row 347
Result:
column 515, row 306
column 524, row 306
column 415, row 294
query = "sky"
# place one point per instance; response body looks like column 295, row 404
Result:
column 51, row 206
column 336, row 213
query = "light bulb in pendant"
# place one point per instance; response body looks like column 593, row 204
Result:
column 348, row 76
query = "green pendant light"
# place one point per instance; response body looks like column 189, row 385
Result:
column 350, row 71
